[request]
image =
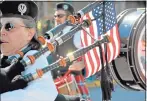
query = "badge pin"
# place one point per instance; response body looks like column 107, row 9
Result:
column 22, row 8
column 65, row 7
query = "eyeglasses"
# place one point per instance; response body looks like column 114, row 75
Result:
column 9, row 26
column 59, row 15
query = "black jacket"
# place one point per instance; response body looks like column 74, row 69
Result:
column 10, row 78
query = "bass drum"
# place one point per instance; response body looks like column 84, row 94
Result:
column 129, row 69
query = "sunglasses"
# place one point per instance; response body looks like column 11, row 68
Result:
column 9, row 26
column 59, row 15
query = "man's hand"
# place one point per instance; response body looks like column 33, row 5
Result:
column 14, row 69
column 18, row 82
column 77, row 66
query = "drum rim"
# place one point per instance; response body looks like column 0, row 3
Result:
column 136, row 60
column 132, row 54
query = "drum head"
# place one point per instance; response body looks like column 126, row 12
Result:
column 138, row 53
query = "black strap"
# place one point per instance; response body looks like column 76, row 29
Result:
column 106, row 79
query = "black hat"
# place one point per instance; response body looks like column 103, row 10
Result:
column 65, row 6
column 19, row 9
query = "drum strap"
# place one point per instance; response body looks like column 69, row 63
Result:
column 106, row 79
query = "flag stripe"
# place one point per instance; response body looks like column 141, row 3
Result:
column 96, row 50
column 86, row 59
column 117, row 37
column 90, row 53
column 112, row 45
column 93, row 52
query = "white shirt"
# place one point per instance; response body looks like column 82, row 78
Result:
column 42, row 89
column 76, row 37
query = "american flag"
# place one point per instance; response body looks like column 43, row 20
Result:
column 108, row 18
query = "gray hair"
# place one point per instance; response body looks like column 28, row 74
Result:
column 31, row 23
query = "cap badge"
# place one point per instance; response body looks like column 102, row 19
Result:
column 65, row 7
column 22, row 8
